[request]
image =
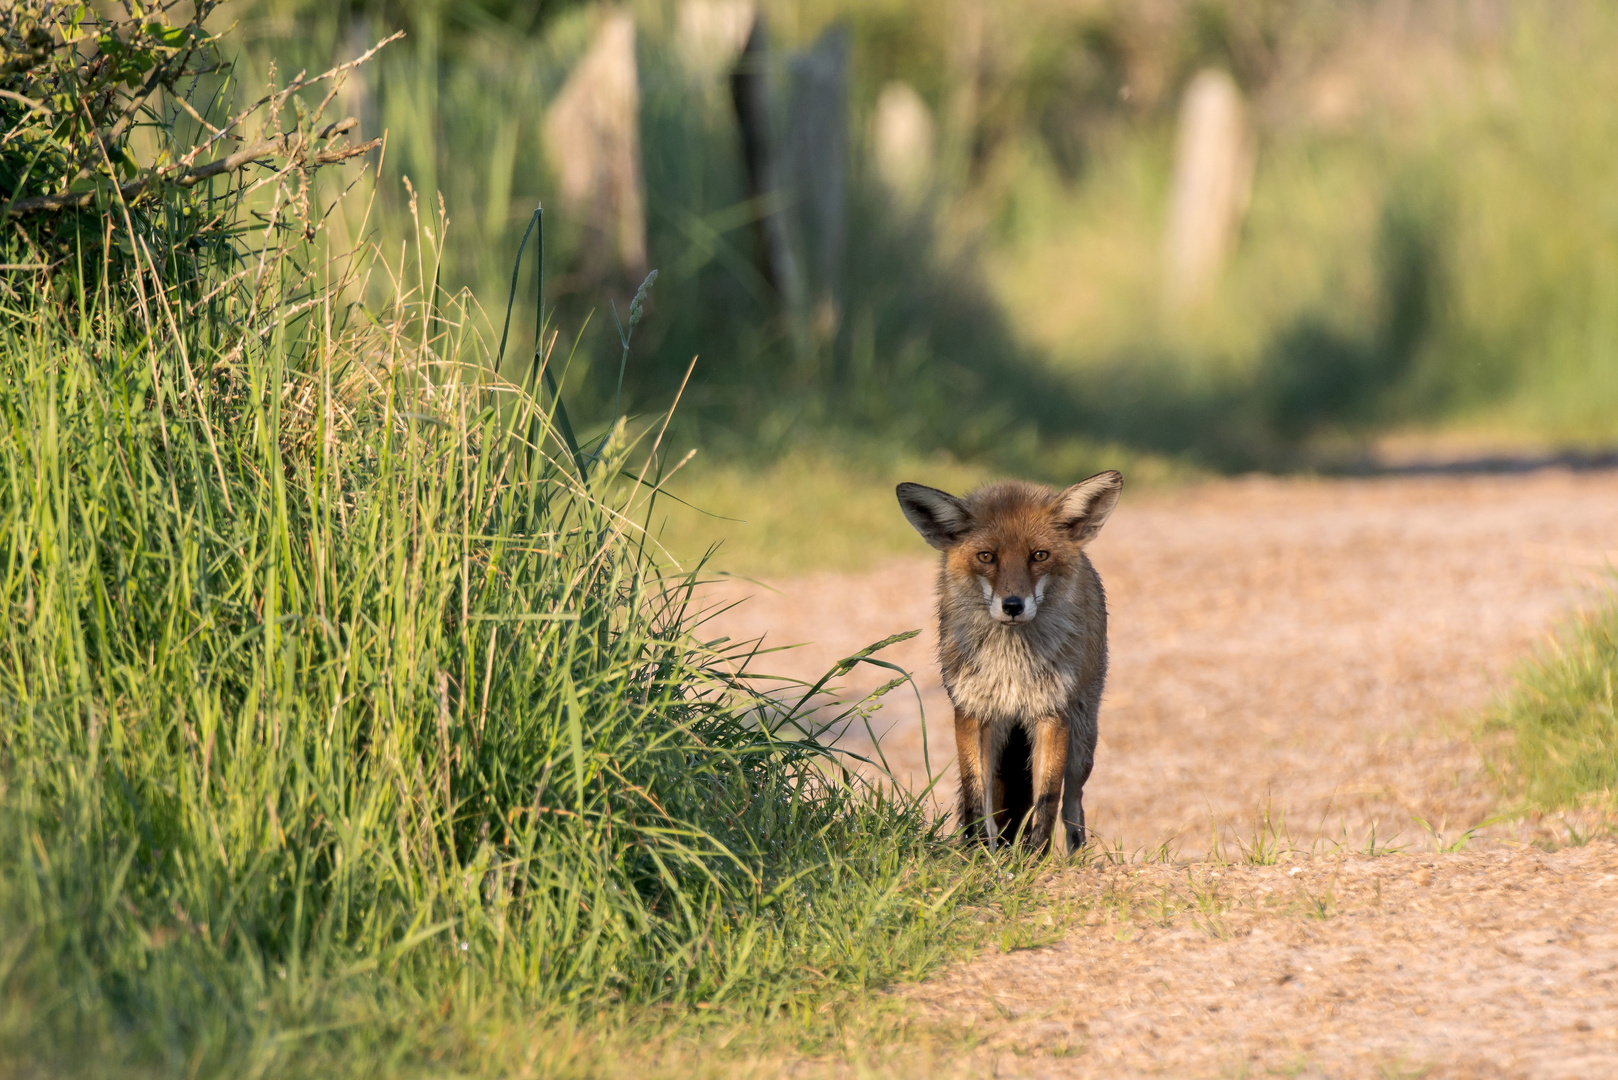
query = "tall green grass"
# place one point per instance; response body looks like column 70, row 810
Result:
column 1561, row 718
column 344, row 693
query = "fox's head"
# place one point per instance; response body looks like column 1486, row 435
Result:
column 1012, row 539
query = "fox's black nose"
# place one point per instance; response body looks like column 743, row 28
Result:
column 1011, row 605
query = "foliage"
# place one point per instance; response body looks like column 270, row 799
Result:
column 460, row 18
column 109, row 119
column 1415, row 252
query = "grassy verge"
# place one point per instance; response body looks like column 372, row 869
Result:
column 1562, row 718
column 350, row 722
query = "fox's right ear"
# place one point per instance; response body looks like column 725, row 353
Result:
column 1085, row 506
column 940, row 517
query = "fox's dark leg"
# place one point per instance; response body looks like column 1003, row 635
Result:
column 1014, row 785
column 1050, row 763
column 1081, row 756
column 966, row 758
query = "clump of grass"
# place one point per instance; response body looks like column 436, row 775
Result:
column 351, row 713
column 339, row 700
column 1562, row 718
column 353, row 719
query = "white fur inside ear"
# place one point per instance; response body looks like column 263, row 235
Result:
column 1086, row 505
column 938, row 516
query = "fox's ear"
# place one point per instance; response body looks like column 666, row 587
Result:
column 941, row 518
column 1083, row 508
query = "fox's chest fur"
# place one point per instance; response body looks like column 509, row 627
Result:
column 1005, row 674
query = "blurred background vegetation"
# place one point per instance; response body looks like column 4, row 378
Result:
column 1418, row 253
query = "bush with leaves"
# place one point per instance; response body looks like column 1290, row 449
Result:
column 123, row 150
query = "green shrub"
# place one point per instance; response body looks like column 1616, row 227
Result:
column 126, row 153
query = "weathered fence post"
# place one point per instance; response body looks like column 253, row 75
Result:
column 902, row 144
column 593, row 133
column 1213, row 167
column 817, row 169
column 750, row 92
column 711, row 33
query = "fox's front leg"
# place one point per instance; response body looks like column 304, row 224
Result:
column 993, row 791
column 1081, row 756
column 1049, row 769
column 966, row 756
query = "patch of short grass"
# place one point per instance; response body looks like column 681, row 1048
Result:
column 812, row 509
column 1561, row 716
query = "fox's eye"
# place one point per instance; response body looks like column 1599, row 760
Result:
column 1041, row 556
column 985, row 556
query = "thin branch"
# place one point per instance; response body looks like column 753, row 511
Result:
column 30, row 102
column 179, row 99
column 299, row 83
column 294, row 147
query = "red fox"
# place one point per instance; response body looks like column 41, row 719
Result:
column 1022, row 643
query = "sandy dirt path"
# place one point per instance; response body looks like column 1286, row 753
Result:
column 1498, row 963
column 1316, row 650
column 1298, row 664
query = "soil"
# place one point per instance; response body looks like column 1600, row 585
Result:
column 1298, row 668
column 1477, row 964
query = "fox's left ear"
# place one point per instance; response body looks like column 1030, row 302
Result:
column 1083, row 508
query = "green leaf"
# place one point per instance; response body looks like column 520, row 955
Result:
column 175, row 37
column 575, row 731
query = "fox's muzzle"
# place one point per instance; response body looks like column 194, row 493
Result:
column 1013, row 609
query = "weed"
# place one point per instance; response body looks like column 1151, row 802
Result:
column 1165, row 907
column 1028, row 922
column 1210, row 903
column 1268, row 844
column 1460, row 843
column 1374, row 850
column 1319, row 905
